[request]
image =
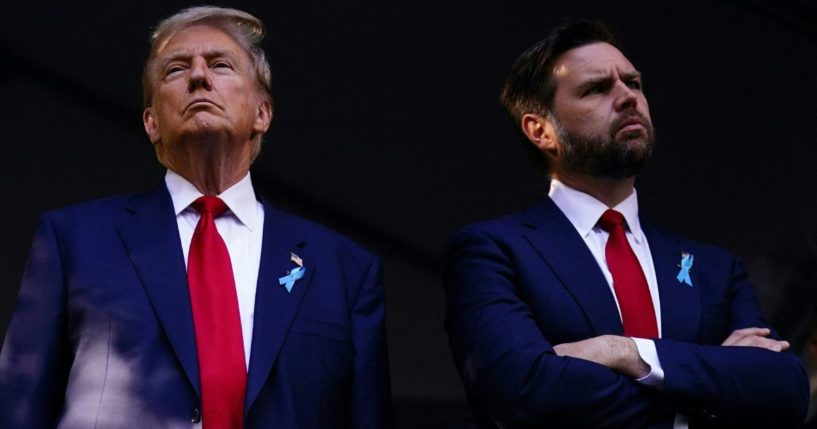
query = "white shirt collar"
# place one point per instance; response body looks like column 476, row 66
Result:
column 584, row 211
column 239, row 198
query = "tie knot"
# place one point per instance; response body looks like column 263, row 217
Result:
column 211, row 205
column 611, row 219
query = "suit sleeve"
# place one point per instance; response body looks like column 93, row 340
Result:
column 508, row 365
column 34, row 360
column 371, row 393
column 736, row 386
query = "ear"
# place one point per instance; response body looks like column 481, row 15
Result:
column 151, row 128
column 263, row 117
column 540, row 131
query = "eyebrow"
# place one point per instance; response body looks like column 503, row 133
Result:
column 605, row 79
column 634, row 74
column 186, row 55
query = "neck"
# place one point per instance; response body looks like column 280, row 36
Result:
column 610, row 191
column 211, row 168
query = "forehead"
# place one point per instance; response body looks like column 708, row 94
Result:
column 593, row 60
column 199, row 40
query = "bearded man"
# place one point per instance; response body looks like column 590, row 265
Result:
column 578, row 313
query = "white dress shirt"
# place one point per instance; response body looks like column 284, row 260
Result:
column 241, row 228
column 584, row 211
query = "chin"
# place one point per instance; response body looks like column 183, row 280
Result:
column 204, row 128
column 637, row 137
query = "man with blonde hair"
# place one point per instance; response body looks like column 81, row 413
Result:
column 196, row 304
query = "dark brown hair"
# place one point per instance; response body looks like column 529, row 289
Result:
column 529, row 87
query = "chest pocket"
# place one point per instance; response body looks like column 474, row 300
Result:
column 320, row 328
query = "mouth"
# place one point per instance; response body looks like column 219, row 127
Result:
column 200, row 103
column 630, row 124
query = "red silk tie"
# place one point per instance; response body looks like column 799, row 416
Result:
column 219, row 342
column 632, row 291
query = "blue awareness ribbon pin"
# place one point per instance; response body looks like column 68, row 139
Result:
column 289, row 280
column 686, row 264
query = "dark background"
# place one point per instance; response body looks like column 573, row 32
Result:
column 388, row 129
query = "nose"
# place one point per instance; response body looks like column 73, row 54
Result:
column 626, row 97
column 199, row 77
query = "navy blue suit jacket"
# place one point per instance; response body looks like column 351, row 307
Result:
column 102, row 335
column 518, row 285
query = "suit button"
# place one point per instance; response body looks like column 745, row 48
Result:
column 195, row 416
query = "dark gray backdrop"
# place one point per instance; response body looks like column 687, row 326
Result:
column 387, row 128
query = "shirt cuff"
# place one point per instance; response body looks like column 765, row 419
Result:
column 647, row 352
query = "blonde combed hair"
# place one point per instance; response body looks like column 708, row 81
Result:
column 247, row 30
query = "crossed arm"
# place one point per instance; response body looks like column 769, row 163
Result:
column 621, row 355
column 524, row 377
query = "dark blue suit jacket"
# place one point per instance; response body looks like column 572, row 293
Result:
column 102, row 335
column 518, row 285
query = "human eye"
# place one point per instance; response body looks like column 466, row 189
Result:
column 634, row 84
column 173, row 69
column 595, row 89
column 222, row 64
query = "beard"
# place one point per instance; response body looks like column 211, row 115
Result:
column 601, row 155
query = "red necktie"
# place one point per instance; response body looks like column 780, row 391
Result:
column 632, row 291
column 219, row 343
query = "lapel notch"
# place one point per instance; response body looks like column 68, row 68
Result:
column 151, row 238
column 680, row 303
column 562, row 249
column 275, row 307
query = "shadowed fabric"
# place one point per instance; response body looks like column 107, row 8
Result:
column 216, row 320
column 520, row 284
column 632, row 291
column 103, row 334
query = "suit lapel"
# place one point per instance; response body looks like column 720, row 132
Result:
column 680, row 303
column 275, row 308
column 151, row 237
column 563, row 250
